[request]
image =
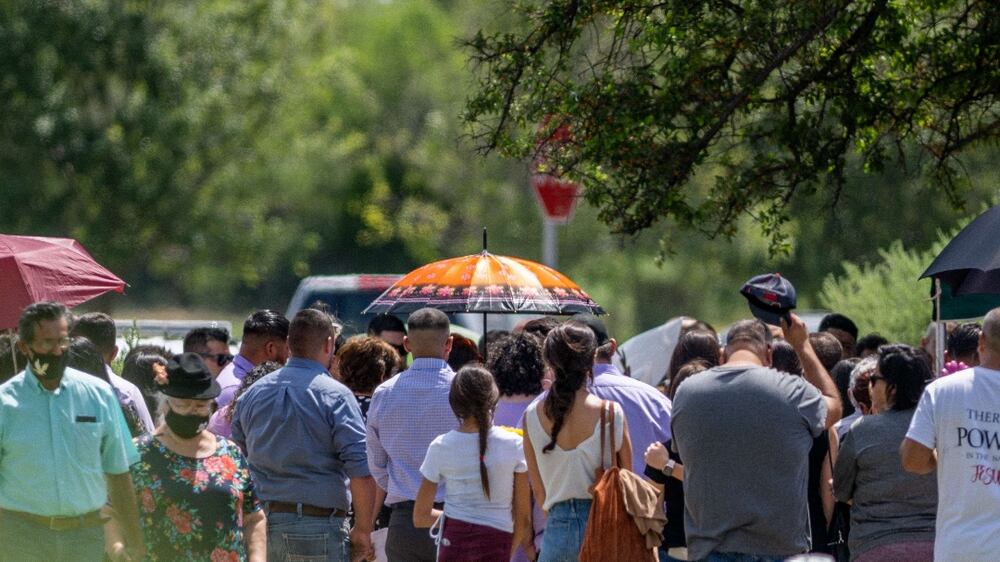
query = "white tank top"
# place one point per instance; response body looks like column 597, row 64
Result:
column 569, row 474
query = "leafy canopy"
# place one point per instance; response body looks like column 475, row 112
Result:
column 771, row 99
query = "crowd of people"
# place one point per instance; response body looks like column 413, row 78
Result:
column 410, row 443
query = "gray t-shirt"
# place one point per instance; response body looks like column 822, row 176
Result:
column 744, row 433
column 890, row 504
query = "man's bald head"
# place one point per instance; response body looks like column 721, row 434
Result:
column 991, row 331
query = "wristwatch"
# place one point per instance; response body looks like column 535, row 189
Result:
column 668, row 469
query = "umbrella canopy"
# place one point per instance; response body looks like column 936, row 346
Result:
column 485, row 283
column 970, row 263
column 34, row 268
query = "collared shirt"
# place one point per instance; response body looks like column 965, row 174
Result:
column 56, row 446
column 407, row 412
column 132, row 395
column 230, row 378
column 303, row 436
column 647, row 410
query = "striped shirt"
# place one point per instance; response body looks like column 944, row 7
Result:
column 407, row 412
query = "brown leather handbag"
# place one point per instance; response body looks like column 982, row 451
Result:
column 626, row 516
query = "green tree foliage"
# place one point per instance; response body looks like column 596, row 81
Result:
column 884, row 296
column 771, row 100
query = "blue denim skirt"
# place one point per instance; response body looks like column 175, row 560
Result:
column 564, row 531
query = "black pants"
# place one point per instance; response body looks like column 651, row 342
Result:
column 405, row 543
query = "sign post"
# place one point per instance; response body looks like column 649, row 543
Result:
column 557, row 199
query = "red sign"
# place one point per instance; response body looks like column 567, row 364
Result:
column 557, row 197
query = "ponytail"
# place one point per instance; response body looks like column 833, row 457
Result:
column 474, row 395
column 484, row 422
column 569, row 350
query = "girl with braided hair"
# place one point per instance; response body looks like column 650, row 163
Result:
column 562, row 441
column 485, row 476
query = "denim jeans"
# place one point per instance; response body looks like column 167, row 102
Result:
column 24, row 541
column 300, row 538
column 564, row 531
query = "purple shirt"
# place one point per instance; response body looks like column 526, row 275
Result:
column 647, row 410
column 510, row 411
column 218, row 424
column 407, row 412
column 230, row 378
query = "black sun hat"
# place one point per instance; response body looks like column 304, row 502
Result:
column 188, row 377
column 771, row 297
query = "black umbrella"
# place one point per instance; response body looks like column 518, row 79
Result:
column 970, row 263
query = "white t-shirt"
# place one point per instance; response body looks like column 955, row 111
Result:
column 454, row 458
column 959, row 415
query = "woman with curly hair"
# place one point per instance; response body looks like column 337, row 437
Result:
column 560, row 441
column 516, row 364
column 365, row 362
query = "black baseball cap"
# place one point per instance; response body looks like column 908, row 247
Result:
column 770, row 296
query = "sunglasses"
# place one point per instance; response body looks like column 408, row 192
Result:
column 221, row 359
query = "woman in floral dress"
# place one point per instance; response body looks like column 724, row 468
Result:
column 196, row 500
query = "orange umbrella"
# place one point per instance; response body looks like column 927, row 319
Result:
column 485, row 283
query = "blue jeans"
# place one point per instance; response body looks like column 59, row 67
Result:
column 739, row 557
column 564, row 531
column 301, row 538
column 25, row 541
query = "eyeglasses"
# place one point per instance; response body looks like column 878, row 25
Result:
column 49, row 345
column 221, row 359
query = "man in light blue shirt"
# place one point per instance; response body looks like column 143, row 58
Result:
column 407, row 412
column 64, row 450
column 305, row 442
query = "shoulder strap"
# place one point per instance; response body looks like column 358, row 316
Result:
column 614, row 449
column 603, row 421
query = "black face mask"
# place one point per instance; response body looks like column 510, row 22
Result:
column 48, row 366
column 185, row 426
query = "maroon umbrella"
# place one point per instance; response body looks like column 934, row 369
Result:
column 33, row 268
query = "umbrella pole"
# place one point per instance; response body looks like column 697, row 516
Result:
column 939, row 329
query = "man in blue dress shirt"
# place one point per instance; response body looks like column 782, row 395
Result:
column 64, row 451
column 407, row 412
column 305, row 442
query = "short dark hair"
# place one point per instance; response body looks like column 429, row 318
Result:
column 268, row 324
column 540, row 327
column 428, row 319
column 36, row 313
column 84, row 356
column 385, row 323
column 9, row 355
column 517, row 365
column 903, row 368
column 784, row 358
column 870, row 342
column 828, row 349
column 841, row 375
column 840, row 322
column 196, row 341
column 308, row 331
column 963, row 341
column 751, row 334
column 690, row 368
column 97, row 327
